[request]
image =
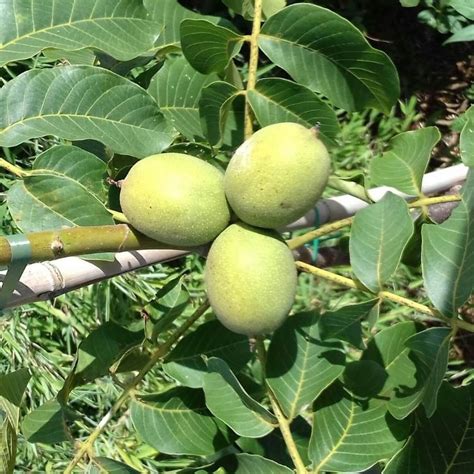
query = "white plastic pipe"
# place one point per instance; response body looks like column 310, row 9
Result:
column 43, row 281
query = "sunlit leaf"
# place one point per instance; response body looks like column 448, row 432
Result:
column 299, row 364
column 170, row 14
column 464, row 34
column 448, row 255
column 466, row 140
column 279, row 100
column 228, row 401
column 64, row 189
column 110, row 466
column 177, row 422
column 121, row 28
column 464, row 7
column 404, row 165
column 351, row 435
column 82, row 102
column 321, row 50
column 252, row 464
column 46, row 424
column 379, row 234
column 177, row 89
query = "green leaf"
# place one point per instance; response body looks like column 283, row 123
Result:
column 379, row 234
column 170, row 14
column 81, row 56
column 122, row 28
column 299, row 364
column 447, row 255
column 429, row 350
column 350, row 435
column 208, row 47
column 410, row 3
column 176, row 87
column 464, row 7
column 463, row 35
column 46, row 424
column 228, row 401
column 101, row 349
column 388, row 349
column 177, row 422
column 279, row 100
column 253, row 464
column 325, row 52
column 345, row 323
column 82, row 102
column 13, row 386
column 443, row 443
column 64, row 189
column 112, row 467
column 220, row 113
column 404, row 165
column 414, row 363
column 466, row 140
column 186, row 364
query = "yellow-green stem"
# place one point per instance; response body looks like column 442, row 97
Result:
column 333, row 226
column 429, row 201
column 16, row 170
column 387, row 295
column 253, row 65
column 283, row 422
column 158, row 354
column 49, row 245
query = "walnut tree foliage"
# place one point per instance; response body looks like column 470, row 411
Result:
column 329, row 392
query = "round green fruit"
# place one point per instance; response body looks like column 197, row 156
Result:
column 176, row 199
column 251, row 279
column 277, row 175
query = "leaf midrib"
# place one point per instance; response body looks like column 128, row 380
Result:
column 70, row 23
column 81, row 116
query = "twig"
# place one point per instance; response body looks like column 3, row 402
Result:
column 350, row 283
column 333, row 226
column 283, row 423
column 16, row 170
column 253, row 65
column 158, row 354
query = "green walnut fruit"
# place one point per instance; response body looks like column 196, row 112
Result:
column 250, row 279
column 277, row 175
column 176, row 199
